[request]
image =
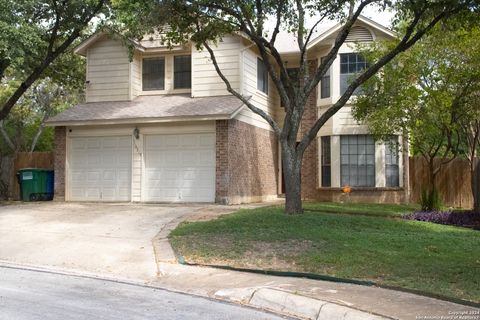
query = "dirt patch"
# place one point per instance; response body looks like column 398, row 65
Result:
column 279, row 256
column 209, row 213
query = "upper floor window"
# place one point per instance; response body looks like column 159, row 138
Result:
column 262, row 76
column 357, row 161
column 153, row 74
column 182, row 72
column 392, row 178
column 293, row 73
column 350, row 64
column 325, row 83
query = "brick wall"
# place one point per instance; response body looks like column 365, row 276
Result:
column 222, row 173
column 247, row 163
column 362, row 195
column 60, row 154
column 310, row 157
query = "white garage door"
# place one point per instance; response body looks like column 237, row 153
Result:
column 180, row 168
column 100, row 169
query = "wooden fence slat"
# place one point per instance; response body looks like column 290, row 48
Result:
column 453, row 181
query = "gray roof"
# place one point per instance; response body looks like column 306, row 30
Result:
column 144, row 109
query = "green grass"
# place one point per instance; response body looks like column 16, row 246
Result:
column 410, row 254
column 369, row 209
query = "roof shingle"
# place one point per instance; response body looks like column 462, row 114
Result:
column 150, row 109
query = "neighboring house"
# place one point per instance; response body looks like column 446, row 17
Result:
column 161, row 127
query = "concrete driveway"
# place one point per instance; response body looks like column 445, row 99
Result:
column 102, row 239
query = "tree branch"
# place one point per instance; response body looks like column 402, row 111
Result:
column 38, row 71
column 5, row 136
column 409, row 39
column 331, row 56
column 258, row 111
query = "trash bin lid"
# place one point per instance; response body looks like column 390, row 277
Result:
column 34, row 169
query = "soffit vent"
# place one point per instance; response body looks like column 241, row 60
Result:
column 359, row 34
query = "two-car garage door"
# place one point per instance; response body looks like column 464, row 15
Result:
column 176, row 168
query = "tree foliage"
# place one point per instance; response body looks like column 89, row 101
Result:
column 207, row 21
column 34, row 34
column 430, row 93
column 61, row 87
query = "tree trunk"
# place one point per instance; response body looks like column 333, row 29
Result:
column 292, row 164
column 475, row 172
column 431, row 175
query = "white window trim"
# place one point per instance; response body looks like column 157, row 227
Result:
column 258, row 91
column 167, row 89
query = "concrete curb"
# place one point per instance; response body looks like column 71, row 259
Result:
column 295, row 305
column 272, row 300
column 93, row 276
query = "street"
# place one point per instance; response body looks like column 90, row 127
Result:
column 29, row 295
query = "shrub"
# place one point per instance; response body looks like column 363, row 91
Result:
column 430, row 200
column 462, row 218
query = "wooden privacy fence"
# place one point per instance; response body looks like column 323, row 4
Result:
column 453, row 181
column 27, row 160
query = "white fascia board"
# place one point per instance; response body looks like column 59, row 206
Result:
column 338, row 26
column 144, row 120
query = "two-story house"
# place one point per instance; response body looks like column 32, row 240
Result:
column 159, row 126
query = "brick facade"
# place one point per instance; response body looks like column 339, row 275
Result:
column 246, row 163
column 365, row 195
column 60, row 143
column 310, row 157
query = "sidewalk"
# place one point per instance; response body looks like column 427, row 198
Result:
column 305, row 298
column 298, row 297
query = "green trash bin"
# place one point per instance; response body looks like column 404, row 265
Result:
column 35, row 184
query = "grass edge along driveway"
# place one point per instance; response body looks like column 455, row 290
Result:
column 369, row 242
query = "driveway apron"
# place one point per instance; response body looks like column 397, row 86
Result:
column 102, row 239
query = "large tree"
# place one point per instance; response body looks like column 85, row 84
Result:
column 35, row 33
column 206, row 21
column 430, row 93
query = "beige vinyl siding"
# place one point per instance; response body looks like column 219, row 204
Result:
column 108, row 72
column 344, row 123
column 136, row 77
column 269, row 103
column 205, row 80
column 327, row 128
column 344, row 117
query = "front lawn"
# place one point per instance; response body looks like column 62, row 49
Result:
column 389, row 251
column 368, row 209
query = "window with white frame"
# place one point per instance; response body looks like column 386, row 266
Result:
column 350, row 64
column 153, row 74
column 182, row 72
column 357, row 160
column 262, row 76
column 392, row 172
column 325, row 83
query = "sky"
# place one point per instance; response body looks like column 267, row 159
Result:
column 383, row 18
column 372, row 12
